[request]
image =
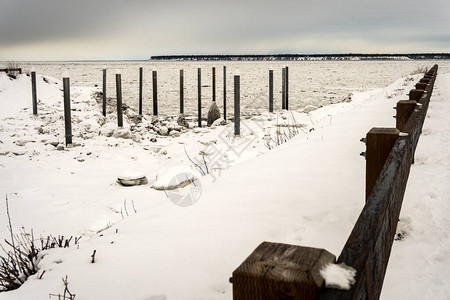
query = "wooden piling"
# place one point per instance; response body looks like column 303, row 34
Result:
column 271, row 91
column 214, row 84
column 224, row 92
column 199, row 93
column 34, row 92
column 119, row 99
column 283, row 88
column 181, row 91
column 155, row 92
column 104, row 93
column 140, row 90
column 237, row 105
column 67, row 113
column 286, row 88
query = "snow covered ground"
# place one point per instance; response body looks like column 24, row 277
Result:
column 308, row 191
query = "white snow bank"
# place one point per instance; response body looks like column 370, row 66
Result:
column 175, row 177
column 338, row 276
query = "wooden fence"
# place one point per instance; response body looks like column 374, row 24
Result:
column 279, row 271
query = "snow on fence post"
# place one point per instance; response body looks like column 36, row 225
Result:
column 119, row 99
column 199, row 93
column 104, row 92
column 237, row 104
column 271, row 91
column 214, row 84
column 224, row 92
column 155, row 92
column 181, row 91
column 283, row 88
column 286, row 88
column 379, row 142
column 140, row 90
column 67, row 117
column 33, row 92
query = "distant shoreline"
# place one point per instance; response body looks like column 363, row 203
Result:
column 302, row 57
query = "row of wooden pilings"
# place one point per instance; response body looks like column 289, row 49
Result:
column 236, row 117
column 281, row 271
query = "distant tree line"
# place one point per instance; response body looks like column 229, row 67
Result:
column 349, row 56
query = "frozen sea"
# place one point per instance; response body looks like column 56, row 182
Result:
column 315, row 83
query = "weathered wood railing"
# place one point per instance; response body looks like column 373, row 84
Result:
column 279, row 271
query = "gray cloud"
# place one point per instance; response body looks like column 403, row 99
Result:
column 157, row 27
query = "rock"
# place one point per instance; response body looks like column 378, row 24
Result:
column 60, row 147
column 122, row 133
column 129, row 178
column 163, row 152
column 182, row 121
column 22, row 143
column 163, row 130
column 219, row 122
column 153, row 140
column 213, row 114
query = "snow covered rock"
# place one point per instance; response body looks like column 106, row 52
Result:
column 309, row 108
column 175, row 177
column 163, row 130
column 122, row 133
column 219, row 122
column 213, row 114
column 130, row 178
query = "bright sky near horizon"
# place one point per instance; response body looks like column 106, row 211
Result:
column 138, row 29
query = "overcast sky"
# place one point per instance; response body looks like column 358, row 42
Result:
column 137, row 29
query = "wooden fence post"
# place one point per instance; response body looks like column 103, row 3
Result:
column 67, row 116
column 415, row 94
column 199, row 93
column 421, row 85
column 181, row 91
column 271, row 91
column 379, row 142
column 280, row 271
column 104, row 93
column 224, row 92
column 34, row 92
column 140, row 90
column 237, row 105
column 404, row 111
column 119, row 99
column 155, row 92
